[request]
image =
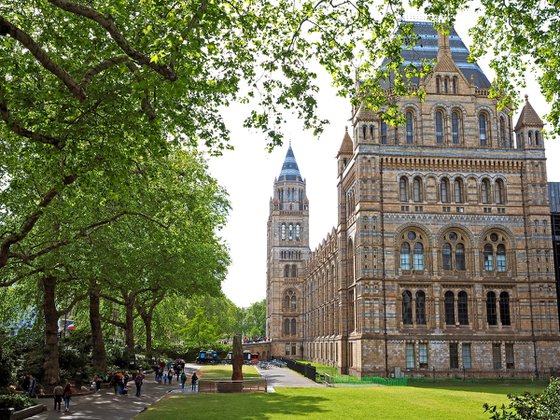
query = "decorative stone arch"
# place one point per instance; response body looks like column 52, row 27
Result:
column 442, row 106
column 439, row 235
column 410, row 105
column 460, row 108
column 412, row 225
column 507, row 232
column 488, row 110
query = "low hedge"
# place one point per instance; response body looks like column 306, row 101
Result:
column 16, row 401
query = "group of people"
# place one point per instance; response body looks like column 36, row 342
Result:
column 60, row 394
column 165, row 371
column 119, row 382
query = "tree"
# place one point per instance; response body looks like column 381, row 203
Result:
column 254, row 320
column 544, row 406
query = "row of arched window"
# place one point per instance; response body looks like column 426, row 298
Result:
column 456, row 309
column 290, row 255
column 453, row 251
column 290, row 194
column 448, row 129
column 534, row 138
column 451, row 190
column 289, row 303
column 446, row 84
column 290, row 270
column 290, row 327
column 290, row 231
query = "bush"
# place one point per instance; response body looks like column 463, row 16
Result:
column 16, row 401
column 545, row 406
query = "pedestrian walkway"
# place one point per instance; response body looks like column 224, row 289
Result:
column 284, row 377
column 105, row 404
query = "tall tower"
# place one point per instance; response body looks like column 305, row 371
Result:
column 288, row 249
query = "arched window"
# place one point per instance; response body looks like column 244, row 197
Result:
column 504, row 308
column 488, row 258
column 287, row 326
column 293, row 327
column 458, row 190
column 405, row 256
column 407, row 307
column 446, row 85
column 371, row 131
column 446, row 256
column 287, row 270
column 530, row 137
column 283, row 231
column 439, row 127
column 411, row 240
column 449, row 303
column 463, row 308
column 503, row 138
column 537, row 138
column 294, row 270
column 454, row 85
column 409, row 127
column 418, row 256
column 485, row 191
column 438, row 84
column 364, row 131
column 500, row 192
column 483, row 129
column 290, row 232
column 417, row 190
column 403, row 189
column 495, row 253
column 455, row 121
column 453, row 251
column 298, row 231
column 420, row 307
column 501, row 258
column 383, row 132
column 460, row 257
column 491, row 315
column 293, row 302
column 444, row 190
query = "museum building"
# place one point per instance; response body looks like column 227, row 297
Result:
column 441, row 262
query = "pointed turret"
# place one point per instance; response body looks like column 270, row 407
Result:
column 528, row 127
column 345, row 152
column 290, row 170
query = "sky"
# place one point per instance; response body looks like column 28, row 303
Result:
column 248, row 174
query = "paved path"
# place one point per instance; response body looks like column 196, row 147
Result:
column 105, row 404
column 284, row 377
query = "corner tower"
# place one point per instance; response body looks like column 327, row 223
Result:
column 288, row 249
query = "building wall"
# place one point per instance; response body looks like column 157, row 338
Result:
column 357, row 283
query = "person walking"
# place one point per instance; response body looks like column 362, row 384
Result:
column 32, row 390
column 113, row 381
column 170, row 376
column 98, row 382
column 57, row 395
column 194, row 379
column 138, row 381
column 183, row 380
column 66, row 395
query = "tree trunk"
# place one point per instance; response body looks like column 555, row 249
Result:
column 99, row 357
column 51, row 362
column 147, row 318
column 129, row 322
column 237, row 359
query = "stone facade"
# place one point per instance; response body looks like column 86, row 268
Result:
column 441, row 263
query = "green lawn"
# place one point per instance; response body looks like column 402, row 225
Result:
column 454, row 401
column 225, row 371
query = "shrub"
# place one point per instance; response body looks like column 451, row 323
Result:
column 16, row 401
column 545, row 406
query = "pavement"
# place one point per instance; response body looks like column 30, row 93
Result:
column 105, row 404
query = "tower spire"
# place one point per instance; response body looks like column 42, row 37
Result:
column 290, row 170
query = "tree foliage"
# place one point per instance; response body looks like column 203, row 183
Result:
column 544, row 406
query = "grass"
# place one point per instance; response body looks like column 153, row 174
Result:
column 441, row 401
column 225, row 371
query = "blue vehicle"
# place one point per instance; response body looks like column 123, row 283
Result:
column 207, row 357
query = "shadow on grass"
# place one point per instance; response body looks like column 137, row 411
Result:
column 233, row 406
column 503, row 388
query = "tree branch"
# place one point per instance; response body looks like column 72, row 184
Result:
column 114, row 322
column 108, row 24
column 76, row 299
column 30, row 221
column 8, row 28
column 21, row 131
column 112, row 299
column 104, row 65
column 6, row 283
